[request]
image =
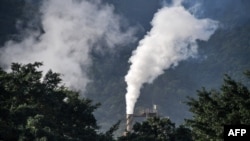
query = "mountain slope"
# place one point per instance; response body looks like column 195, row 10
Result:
column 227, row 51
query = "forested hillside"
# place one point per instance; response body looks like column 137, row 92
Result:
column 9, row 17
column 227, row 51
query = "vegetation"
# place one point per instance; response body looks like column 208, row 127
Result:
column 226, row 52
column 157, row 129
column 33, row 107
column 36, row 108
column 213, row 109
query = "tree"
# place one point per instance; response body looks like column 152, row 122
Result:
column 183, row 133
column 157, row 129
column 213, row 109
column 33, row 107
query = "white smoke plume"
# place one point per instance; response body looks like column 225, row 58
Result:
column 72, row 28
column 172, row 39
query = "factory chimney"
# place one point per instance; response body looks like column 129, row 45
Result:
column 129, row 121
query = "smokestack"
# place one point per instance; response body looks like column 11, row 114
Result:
column 129, row 119
column 172, row 39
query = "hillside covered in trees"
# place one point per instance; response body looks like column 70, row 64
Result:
column 36, row 108
column 226, row 52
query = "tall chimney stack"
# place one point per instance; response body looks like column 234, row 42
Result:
column 129, row 119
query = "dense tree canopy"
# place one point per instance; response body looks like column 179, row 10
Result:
column 33, row 107
column 227, row 48
column 157, row 129
column 213, row 109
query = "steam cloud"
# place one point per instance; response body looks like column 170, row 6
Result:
column 72, row 28
column 172, row 39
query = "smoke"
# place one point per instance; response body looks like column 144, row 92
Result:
column 72, row 28
column 172, row 39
